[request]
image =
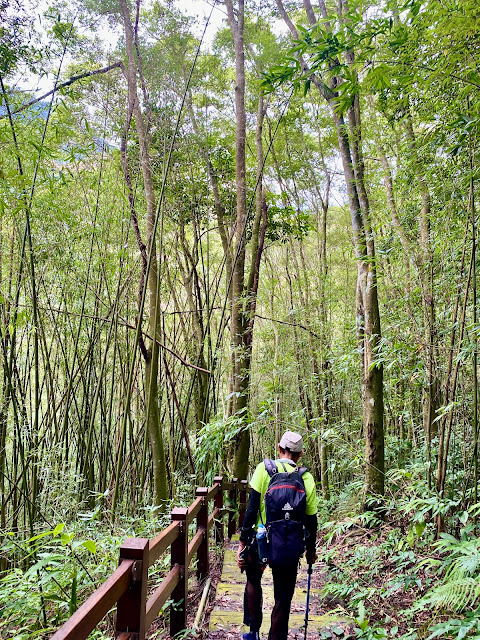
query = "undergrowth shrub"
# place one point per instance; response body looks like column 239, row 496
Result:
column 53, row 572
column 391, row 575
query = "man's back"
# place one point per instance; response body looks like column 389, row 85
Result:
column 285, row 565
column 261, row 479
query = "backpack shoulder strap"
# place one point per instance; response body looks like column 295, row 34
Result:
column 302, row 470
column 270, row 466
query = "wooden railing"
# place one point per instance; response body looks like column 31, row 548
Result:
column 127, row 586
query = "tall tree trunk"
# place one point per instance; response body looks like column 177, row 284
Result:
column 244, row 290
column 217, row 200
column 325, row 345
column 421, row 258
column 303, row 394
column 191, row 283
column 151, row 354
column 239, row 387
column 431, row 400
column 367, row 309
column 304, row 295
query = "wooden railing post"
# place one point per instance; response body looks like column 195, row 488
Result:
column 232, row 500
column 203, row 557
column 243, row 502
column 178, row 610
column 131, row 607
column 218, row 502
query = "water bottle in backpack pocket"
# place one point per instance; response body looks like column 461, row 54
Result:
column 262, row 544
column 285, row 506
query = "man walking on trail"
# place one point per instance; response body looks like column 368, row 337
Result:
column 283, row 499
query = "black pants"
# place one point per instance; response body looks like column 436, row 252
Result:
column 284, row 579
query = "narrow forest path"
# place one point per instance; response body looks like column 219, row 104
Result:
column 226, row 618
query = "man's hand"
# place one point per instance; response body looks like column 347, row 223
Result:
column 311, row 557
column 242, row 563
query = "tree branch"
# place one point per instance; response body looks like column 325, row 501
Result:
column 162, row 346
column 289, row 324
column 67, row 83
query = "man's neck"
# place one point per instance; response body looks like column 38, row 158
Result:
column 287, row 455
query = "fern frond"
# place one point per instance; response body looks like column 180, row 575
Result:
column 455, row 595
column 349, row 500
column 338, row 590
column 474, row 510
column 429, row 563
column 463, row 557
column 466, row 565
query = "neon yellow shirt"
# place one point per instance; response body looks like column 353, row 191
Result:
column 260, row 480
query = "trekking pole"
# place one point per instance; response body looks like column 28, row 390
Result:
column 310, row 569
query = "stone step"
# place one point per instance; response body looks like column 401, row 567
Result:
column 222, row 620
column 226, row 619
column 235, row 592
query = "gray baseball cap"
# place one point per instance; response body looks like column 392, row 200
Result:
column 292, row 441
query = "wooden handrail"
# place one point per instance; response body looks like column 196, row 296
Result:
column 127, row 586
column 86, row 618
column 161, row 594
column 161, row 543
column 203, row 556
column 232, row 499
column 214, row 516
column 194, row 544
column 193, row 509
column 218, row 503
column 212, row 492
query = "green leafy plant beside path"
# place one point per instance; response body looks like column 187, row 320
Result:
column 395, row 580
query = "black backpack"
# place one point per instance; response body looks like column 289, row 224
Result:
column 285, row 505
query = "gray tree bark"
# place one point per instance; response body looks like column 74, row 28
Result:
column 151, row 354
column 367, row 309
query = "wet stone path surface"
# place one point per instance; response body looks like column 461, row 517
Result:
column 226, row 618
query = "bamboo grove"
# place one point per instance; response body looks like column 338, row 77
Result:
column 206, row 239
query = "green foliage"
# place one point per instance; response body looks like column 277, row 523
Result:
column 454, row 595
column 414, row 62
column 213, row 441
column 405, row 563
column 461, row 557
column 58, row 568
column 17, row 44
column 284, row 223
column 459, row 564
column 364, row 629
column 458, row 629
column 62, row 569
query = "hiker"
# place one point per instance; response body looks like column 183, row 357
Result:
column 287, row 511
